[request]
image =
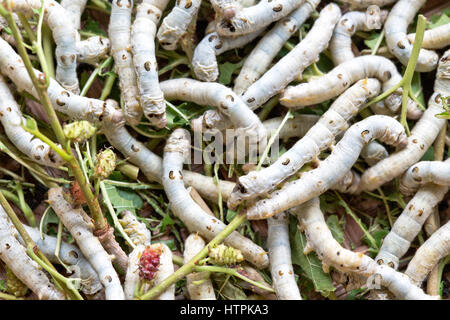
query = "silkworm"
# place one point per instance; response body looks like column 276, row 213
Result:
column 79, row 224
column 400, row 16
column 341, row 41
column 280, row 258
column 151, row 164
column 409, row 223
column 292, row 65
column 204, row 61
column 165, row 269
column 120, row 37
column 132, row 274
column 349, row 183
column 429, row 253
column 246, row 123
column 182, row 205
column 318, row 138
column 436, row 38
column 298, row 126
column 75, row 106
column 256, row 17
column 14, row 255
column 362, row 4
column 143, row 32
column 93, row 49
column 137, row 231
column 332, row 169
column 258, row 61
column 422, row 135
column 425, row 172
column 12, row 121
column 226, row 9
column 204, row 290
column 71, row 256
column 374, row 153
column 176, row 23
column 342, row 76
column 320, row 239
column 74, row 9
column 64, row 35
column 397, row 283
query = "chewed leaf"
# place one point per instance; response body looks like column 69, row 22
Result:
column 336, row 229
column 123, row 199
column 310, row 263
column 438, row 20
column 226, row 71
column 371, row 42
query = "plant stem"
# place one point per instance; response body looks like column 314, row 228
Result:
column 268, row 107
column 232, row 272
column 189, row 266
column 272, row 139
column 405, row 82
column 29, row 215
column 107, row 87
column 94, row 75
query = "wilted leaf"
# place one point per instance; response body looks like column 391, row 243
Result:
column 94, row 27
column 229, row 291
column 310, row 263
column 439, row 19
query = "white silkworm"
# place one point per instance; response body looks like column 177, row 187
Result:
column 79, row 224
column 292, row 65
column 12, row 121
column 120, row 37
column 437, row 172
column 143, row 47
column 422, row 135
column 14, row 255
column 137, row 231
column 342, row 76
column 349, row 183
column 298, row 126
column 64, row 35
column 258, row 61
column 246, row 122
column 256, row 17
column 429, row 253
column 409, row 223
column 182, row 205
column 132, row 275
column 341, row 41
column 151, row 164
column 165, row 269
column 362, row 4
column 71, row 256
column 320, row 239
column 400, row 16
column 93, row 49
column 75, row 106
column 332, row 169
column 204, row 290
column 374, row 153
column 398, row 283
column 204, row 61
column 321, row 136
column 226, row 9
column 280, row 258
column 176, row 23
column 436, row 38
column 74, row 9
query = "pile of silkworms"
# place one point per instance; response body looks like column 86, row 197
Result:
column 100, row 106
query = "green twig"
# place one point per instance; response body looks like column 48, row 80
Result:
column 405, row 82
column 189, row 266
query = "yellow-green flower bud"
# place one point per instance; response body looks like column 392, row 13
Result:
column 79, row 131
column 224, row 255
column 105, row 165
column 13, row 284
